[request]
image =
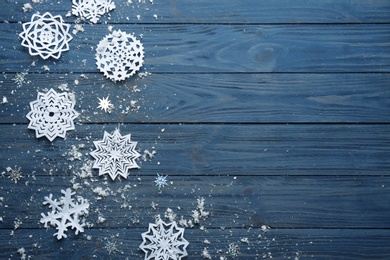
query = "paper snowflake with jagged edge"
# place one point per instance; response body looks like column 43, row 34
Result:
column 115, row 155
column 164, row 241
column 51, row 115
column 65, row 213
column 92, row 9
column 119, row 55
column 46, row 35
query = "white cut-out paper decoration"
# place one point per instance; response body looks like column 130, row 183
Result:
column 119, row 55
column 46, row 35
column 164, row 241
column 65, row 213
column 115, row 155
column 92, row 9
column 51, row 115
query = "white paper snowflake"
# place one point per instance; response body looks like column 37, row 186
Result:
column 64, row 213
column 105, row 104
column 115, row 155
column 119, row 55
column 92, row 9
column 46, row 35
column 164, row 241
column 51, row 115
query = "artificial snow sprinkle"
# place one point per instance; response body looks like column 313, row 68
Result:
column 51, row 115
column 115, row 155
column 164, row 241
column 105, row 104
column 65, row 213
column 161, row 181
column 119, row 55
column 46, row 35
column 92, row 9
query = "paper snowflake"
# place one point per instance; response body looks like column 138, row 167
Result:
column 105, row 104
column 119, row 55
column 92, row 9
column 51, row 115
column 115, row 155
column 64, row 213
column 161, row 181
column 164, row 241
column 46, row 35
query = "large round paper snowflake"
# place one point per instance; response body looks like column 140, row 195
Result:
column 51, row 115
column 119, row 55
column 115, row 155
column 46, row 35
column 164, row 241
column 92, row 9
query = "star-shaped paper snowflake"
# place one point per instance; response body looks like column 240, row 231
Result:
column 161, row 181
column 51, row 115
column 164, row 241
column 119, row 55
column 46, row 35
column 115, row 155
column 65, row 213
column 92, row 9
column 105, row 104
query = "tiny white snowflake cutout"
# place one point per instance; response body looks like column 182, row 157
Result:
column 65, row 213
column 119, row 55
column 164, row 241
column 46, row 35
column 105, row 104
column 51, row 115
column 115, row 155
column 161, row 181
column 92, row 9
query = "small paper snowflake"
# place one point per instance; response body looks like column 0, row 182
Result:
column 164, row 241
column 115, row 155
column 92, row 9
column 64, row 213
column 105, row 104
column 161, row 181
column 46, row 35
column 51, row 115
column 119, row 55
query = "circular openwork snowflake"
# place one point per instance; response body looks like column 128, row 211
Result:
column 51, row 115
column 92, row 9
column 119, row 55
column 164, row 241
column 46, row 35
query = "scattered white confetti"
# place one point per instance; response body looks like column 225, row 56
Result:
column 119, row 55
column 92, row 9
column 27, row 7
column 164, row 241
column 105, row 104
column 51, row 115
column 115, row 155
column 64, row 213
column 46, row 35
column 5, row 100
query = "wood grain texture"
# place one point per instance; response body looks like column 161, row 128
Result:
column 222, row 48
column 213, row 98
column 232, row 11
column 188, row 150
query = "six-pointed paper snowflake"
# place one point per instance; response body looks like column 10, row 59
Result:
column 115, row 155
column 105, row 104
column 51, row 115
column 65, row 213
column 161, row 181
column 119, row 55
column 164, row 241
column 46, row 35
column 92, row 9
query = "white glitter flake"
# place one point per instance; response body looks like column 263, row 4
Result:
column 46, row 35
column 161, row 181
column 119, row 55
column 92, row 9
column 164, row 241
column 105, row 104
column 115, row 155
column 51, row 115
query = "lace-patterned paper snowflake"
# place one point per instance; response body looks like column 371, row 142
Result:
column 164, row 241
column 46, row 35
column 51, row 115
column 64, row 213
column 119, row 55
column 92, row 9
column 115, row 155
